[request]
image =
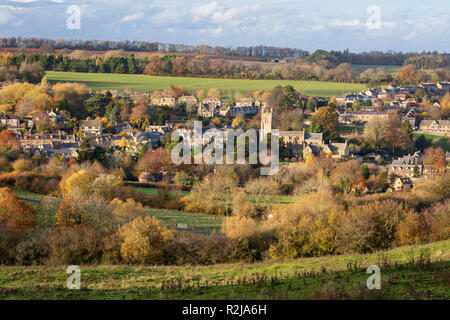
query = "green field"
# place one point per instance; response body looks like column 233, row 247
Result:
column 179, row 194
column 155, row 191
column 429, row 137
column 47, row 206
column 420, row 272
column 102, row 81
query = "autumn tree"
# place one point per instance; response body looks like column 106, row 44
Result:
column 435, row 157
column 154, row 65
column 15, row 213
column 445, row 106
column 144, row 241
column 32, row 73
column 154, row 161
column 215, row 194
column 75, row 94
column 8, row 141
column 397, row 137
column 215, row 93
column 140, row 115
column 328, row 119
column 410, row 74
column 180, row 66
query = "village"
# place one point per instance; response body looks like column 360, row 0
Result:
column 63, row 135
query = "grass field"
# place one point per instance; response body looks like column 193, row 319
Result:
column 47, row 206
column 154, row 192
column 420, row 272
column 444, row 140
column 101, row 81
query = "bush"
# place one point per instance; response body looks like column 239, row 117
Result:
column 36, row 183
column 196, row 249
column 111, row 251
column 243, row 207
column 76, row 245
column 373, row 226
column 4, row 164
column 238, row 227
column 430, row 190
column 312, row 235
column 414, row 229
column 14, row 213
column 262, row 186
column 182, row 179
column 34, row 250
column 83, row 210
column 144, row 241
column 125, row 211
column 438, row 218
column 9, row 239
column 21, row 165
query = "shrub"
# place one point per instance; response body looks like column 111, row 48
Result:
column 438, row 218
column 127, row 210
column 182, row 179
column 76, row 245
column 14, row 213
column 55, row 168
column 105, row 185
column 262, row 186
column 83, row 210
column 372, row 226
column 8, row 179
column 196, row 249
column 428, row 191
column 21, row 165
column 111, row 251
column 313, row 203
column 34, row 250
column 243, row 207
column 4, row 163
column 312, row 235
column 144, row 241
column 414, row 229
column 9, row 239
column 36, row 183
column 236, row 227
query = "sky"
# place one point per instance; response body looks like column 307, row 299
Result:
column 357, row 25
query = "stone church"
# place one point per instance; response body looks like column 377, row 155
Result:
column 302, row 143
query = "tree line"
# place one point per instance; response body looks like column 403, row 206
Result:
column 421, row 60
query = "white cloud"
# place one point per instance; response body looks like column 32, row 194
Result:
column 349, row 23
column 204, row 11
column 6, row 14
column 410, row 35
column 224, row 16
column 132, row 17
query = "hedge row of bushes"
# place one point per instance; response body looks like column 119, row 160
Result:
column 142, row 241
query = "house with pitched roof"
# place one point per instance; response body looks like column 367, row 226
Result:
column 435, row 127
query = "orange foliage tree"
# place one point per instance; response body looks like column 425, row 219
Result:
column 435, row 157
column 69, row 214
column 9, row 141
column 15, row 213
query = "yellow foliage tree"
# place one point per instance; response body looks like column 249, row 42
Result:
column 144, row 240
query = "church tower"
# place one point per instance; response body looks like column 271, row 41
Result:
column 266, row 120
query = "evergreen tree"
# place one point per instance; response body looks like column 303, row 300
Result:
column 85, row 152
